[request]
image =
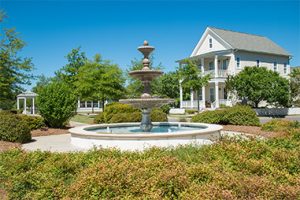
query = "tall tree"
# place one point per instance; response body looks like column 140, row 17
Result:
column 100, row 79
column 167, row 85
column 295, row 86
column 68, row 73
column 15, row 71
column 192, row 78
column 258, row 84
column 41, row 82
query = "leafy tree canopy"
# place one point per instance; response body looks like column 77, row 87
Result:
column 15, row 71
column 99, row 79
column 76, row 59
column 191, row 77
column 295, row 86
column 258, row 84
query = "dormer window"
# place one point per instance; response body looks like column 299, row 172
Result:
column 210, row 42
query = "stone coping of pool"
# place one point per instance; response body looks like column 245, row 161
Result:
column 83, row 131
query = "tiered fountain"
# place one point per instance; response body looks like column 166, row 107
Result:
column 138, row 136
column 146, row 102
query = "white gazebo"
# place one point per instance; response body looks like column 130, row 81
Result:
column 27, row 95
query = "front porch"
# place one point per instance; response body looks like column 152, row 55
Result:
column 214, row 94
column 211, row 96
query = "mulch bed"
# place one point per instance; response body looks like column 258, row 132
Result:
column 4, row 146
column 255, row 130
column 49, row 131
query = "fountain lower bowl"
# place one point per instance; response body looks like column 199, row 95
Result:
column 146, row 102
column 127, row 137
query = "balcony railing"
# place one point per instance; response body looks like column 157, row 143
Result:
column 221, row 73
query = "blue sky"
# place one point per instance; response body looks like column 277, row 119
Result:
column 115, row 28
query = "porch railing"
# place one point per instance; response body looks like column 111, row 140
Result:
column 221, row 73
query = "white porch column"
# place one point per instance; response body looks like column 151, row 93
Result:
column 181, row 93
column 192, row 99
column 78, row 103
column 98, row 104
column 85, row 104
column 202, row 65
column 33, row 106
column 217, row 94
column 216, row 66
column 18, row 103
column 25, row 110
column 203, row 96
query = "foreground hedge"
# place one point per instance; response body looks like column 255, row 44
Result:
column 236, row 115
column 265, row 169
column 14, row 128
column 118, row 113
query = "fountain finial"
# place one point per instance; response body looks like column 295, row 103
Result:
column 146, row 43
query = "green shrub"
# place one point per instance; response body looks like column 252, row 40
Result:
column 241, row 115
column 99, row 119
column 126, row 117
column 118, row 113
column 13, row 128
column 157, row 115
column 236, row 115
column 279, row 125
column 191, row 111
column 211, row 117
column 57, row 103
column 166, row 108
column 34, row 122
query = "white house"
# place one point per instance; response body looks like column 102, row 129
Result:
column 223, row 52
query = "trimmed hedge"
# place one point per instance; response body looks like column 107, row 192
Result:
column 14, row 128
column 229, row 169
column 118, row 113
column 34, row 122
column 279, row 125
column 237, row 115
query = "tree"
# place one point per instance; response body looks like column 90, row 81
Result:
column 100, row 79
column 295, row 86
column 167, row 85
column 15, row 70
column 258, row 84
column 68, row 74
column 41, row 82
column 192, row 78
column 57, row 103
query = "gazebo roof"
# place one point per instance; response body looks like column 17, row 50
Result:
column 27, row 94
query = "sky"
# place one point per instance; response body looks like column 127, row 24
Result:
column 51, row 28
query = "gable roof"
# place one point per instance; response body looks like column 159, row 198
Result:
column 249, row 42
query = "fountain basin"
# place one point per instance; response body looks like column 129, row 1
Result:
column 126, row 136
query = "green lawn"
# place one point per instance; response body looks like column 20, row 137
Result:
column 86, row 119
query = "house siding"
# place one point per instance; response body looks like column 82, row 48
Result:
column 266, row 60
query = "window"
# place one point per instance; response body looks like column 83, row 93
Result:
column 82, row 104
column 238, row 62
column 210, row 43
column 224, row 66
column 211, row 66
column 284, row 68
column 257, row 63
column 88, row 104
column 95, row 104
column 275, row 66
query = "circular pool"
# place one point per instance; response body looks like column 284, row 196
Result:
column 129, row 136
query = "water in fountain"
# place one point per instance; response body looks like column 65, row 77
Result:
column 146, row 102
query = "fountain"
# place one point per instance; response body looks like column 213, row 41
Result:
column 146, row 102
column 138, row 136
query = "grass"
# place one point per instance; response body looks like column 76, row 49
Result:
column 230, row 169
column 86, row 119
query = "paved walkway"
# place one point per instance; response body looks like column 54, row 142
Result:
column 53, row 143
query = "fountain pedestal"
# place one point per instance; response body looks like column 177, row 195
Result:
column 146, row 102
column 146, row 124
